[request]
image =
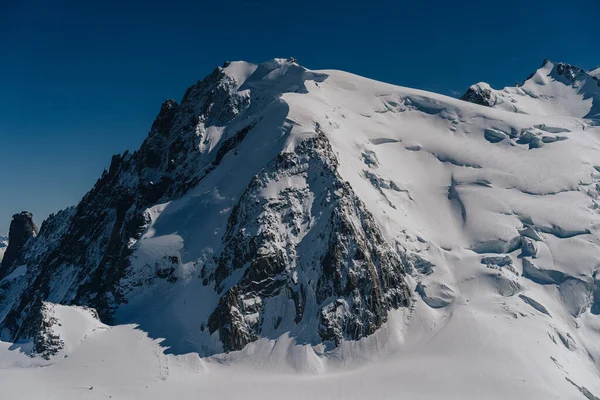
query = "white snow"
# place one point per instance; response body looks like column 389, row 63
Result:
column 438, row 188
column 546, row 93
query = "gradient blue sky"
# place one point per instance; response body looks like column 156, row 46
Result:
column 80, row 81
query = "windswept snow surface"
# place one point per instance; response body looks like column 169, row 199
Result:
column 554, row 89
column 497, row 209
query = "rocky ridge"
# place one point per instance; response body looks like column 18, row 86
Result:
column 82, row 255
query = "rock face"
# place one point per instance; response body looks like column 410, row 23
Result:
column 273, row 200
column 308, row 255
column 568, row 71
column 481, row 94
column 87, row 247
column 22, row 228
column 352, row 279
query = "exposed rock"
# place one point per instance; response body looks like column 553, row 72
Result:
column 22, row 228
column 46, row 342
column 481, row 94
column 88, row 246
column 570, row 72
column 358, row 276
column 370, row 158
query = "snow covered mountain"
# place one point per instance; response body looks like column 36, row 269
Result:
column 285, row 220
column 554, row 89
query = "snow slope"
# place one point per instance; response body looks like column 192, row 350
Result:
column 493, row 213
column 554, row 89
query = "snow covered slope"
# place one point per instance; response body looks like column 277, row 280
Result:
column 330, row 236
column 554, row 89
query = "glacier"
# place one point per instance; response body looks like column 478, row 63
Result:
column 282, row 228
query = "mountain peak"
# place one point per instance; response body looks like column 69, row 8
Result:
column 553, row 89
column 22, row 228
column 315, row 219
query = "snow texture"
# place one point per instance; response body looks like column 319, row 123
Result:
column 324, row 235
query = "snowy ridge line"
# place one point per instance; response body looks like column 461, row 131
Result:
column 280, row 221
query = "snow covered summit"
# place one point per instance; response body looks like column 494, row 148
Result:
column 310, row 221
column 554, row 89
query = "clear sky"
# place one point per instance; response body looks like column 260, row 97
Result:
column 82, row 80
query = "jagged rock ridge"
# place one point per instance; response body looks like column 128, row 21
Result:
column 22, row 228
column 352, row 282
column 304, row 205
column 83, row 255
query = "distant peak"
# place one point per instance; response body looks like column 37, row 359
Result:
column 22, row 228
column 569, row 71
column 544, row 91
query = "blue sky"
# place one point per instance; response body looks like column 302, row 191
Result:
column 80, row 81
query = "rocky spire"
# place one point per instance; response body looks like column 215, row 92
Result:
column 22, row 228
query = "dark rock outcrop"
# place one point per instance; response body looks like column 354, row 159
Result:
column 22, row 228
column 87, row 247
column 570, row 75
column 356, row 276
column 307, row 258
column 570, row 72
column 479, row 95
